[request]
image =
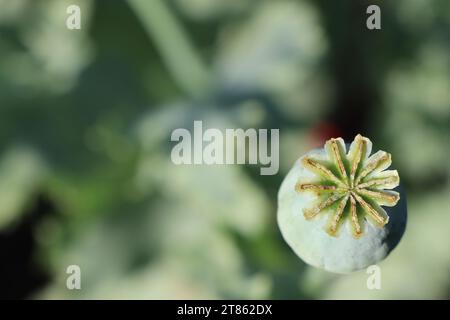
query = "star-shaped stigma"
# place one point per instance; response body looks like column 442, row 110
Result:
column 350, row 185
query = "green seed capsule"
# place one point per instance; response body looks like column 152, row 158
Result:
column 337, row 209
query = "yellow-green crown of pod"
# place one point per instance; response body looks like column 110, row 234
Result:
column 351, row 186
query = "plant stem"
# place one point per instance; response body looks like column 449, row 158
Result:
column 179, row 55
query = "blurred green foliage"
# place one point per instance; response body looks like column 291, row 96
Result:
column 86, row 117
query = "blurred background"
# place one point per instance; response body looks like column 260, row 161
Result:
column 85, row 123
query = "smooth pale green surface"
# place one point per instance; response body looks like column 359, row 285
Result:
column 309, row 240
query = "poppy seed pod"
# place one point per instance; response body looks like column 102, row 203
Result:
column 342, row 211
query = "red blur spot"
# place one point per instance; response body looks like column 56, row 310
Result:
column 321, row 132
